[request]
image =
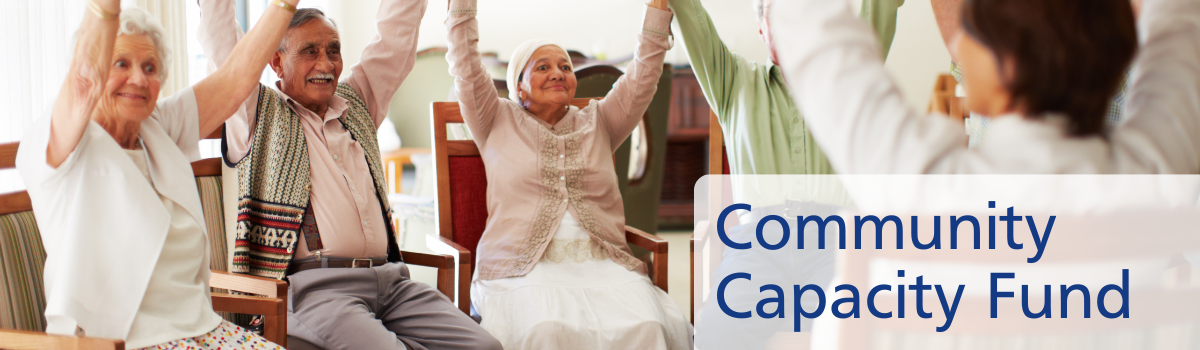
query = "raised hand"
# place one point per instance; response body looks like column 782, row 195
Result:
column 84, row 85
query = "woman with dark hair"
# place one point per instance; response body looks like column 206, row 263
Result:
column 1045, row 70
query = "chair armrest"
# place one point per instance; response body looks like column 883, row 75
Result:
column 657, row 247
column 269, row 287
column 438, row 261
column 248, row 304
column 466, row 262
column 445, row 274
column 22, row 340
column 645, row 240
column 463, row 253
column 274, row 311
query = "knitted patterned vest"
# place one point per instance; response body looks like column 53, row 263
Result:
column 274, row 183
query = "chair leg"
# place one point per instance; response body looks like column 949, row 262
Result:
column 275, row 329
column 445, row 281
column 464, row 286
column 660, row 270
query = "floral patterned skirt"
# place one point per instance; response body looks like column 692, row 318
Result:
column 226, row 336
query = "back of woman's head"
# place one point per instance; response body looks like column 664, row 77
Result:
column 1065, row 57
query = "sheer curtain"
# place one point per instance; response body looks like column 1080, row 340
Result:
column 39, row 36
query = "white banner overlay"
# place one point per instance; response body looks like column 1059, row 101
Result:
column 947, row 262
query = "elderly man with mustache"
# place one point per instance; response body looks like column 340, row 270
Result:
column 312, row 203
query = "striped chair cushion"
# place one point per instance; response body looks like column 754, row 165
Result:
column 214, row 220
column 22, row 258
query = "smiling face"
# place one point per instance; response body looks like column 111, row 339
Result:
column 310, row 63
column 549, row 79
column 134, row 80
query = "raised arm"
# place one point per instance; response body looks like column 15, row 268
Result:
column 84, row 85
column 388, row 59
column 477, row 96
column 220, row 94
column 622, row 108
column 853, row 107
column 716, row 67
column 881, row 14
column 1162, row 131
column 945, row 12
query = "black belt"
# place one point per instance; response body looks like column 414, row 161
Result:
column 327, row 262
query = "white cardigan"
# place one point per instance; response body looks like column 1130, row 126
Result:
column 103, row 226
column 859, row 117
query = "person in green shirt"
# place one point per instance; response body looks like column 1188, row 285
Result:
column 764, row 132
column 764, row 135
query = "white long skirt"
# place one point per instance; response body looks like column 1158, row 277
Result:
column 577, row 298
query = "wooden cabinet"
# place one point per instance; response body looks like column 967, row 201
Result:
column 687, row 149
column 689, row 109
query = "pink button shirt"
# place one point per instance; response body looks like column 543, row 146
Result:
column 348, row 212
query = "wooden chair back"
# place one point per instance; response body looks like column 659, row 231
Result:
column 22, row 295
column 17, row 201
column 461, row 179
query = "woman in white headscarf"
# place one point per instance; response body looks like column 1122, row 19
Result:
column 553, row 268
column 109, row 176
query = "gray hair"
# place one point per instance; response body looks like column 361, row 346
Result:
column 136, row 21
column 301, row 17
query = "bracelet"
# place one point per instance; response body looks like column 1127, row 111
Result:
column 286, row 6
column 101, row 12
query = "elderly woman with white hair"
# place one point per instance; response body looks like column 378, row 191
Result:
column 109, row 176
column 553, row 268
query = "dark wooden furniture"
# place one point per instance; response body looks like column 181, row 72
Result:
column 687, row 142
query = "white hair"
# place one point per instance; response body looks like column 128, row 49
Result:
column 136, row 21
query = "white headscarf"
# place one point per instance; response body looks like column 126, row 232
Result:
column 520, row 58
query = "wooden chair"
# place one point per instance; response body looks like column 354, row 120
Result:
column 945, row 101
column 642, row 195
column 208, row 174
column 718, row 164
column 27, row 305
column 462, row 209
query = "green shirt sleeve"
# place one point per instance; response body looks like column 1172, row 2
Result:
column 881, row 14
column 716, row 67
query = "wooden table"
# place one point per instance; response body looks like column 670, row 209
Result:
column 393, row 164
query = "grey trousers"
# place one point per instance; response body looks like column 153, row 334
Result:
column 377, row 308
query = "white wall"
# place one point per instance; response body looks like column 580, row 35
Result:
column 608, row 27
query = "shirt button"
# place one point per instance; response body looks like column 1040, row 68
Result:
column 335, row 157
column 797, row 150
column 364, row 222
column 564, row 200
column 562, row 177
column 796, row 120
column 561, row 156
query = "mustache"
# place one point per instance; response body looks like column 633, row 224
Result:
column 321, row 76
